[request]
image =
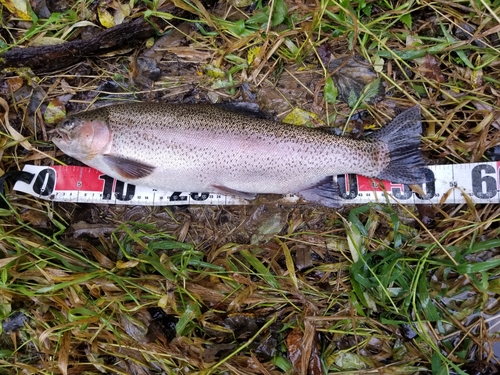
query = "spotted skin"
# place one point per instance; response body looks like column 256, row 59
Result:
column 206, row 148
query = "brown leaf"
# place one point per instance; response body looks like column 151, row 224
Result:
column 311, row 363
column 217, row 351
column 11, row 85
column 62, row 361
column 243, row 326
column 325, row 52
column 190, row 54
column 162, row 326
column 37, row 219
column 430, row 69
column 303, row 259
column 426, row 214
column 303, row 350
column 294, row 347
column 351, row 76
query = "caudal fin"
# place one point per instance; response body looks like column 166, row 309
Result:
column 402, row 136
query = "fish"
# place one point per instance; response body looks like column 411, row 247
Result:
column 208, row 148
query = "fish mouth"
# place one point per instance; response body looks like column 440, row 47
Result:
column 62, row 135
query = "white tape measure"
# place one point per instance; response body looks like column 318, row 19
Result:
column 480, row 181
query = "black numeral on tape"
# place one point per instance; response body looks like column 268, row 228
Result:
column 120, row 192
column 429, row 187
column 483, row 185
column 176, row 197
column 45, row 182
column 199, row 196
column 348, row 188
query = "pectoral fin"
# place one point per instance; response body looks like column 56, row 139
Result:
column 325, row 192
column 127, row 168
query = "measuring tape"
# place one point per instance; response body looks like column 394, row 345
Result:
column 479, row 181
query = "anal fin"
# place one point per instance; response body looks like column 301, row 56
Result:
column 241, row 194
column 128, row 168
column 325, row 192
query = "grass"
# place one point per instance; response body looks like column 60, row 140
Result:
column 368, row 289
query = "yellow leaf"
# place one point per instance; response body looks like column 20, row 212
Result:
column 105, row 18
column 252, row 52
column 150, row 42
column 54, row 112
column 300, row 117
column 18, row 7
column 213, row 71
column 163, row 302
column 130, row 264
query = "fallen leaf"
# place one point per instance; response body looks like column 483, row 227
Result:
column 241, row 3
column 190, row 53
column 351, row 76
column 10, row 85
column 303, row 259
column 429, row 68
column 122, row 11
column 76, row 25
column 105, row 18
column 243, row 326
column 54, row 112
column 349, row 361
column 18, row 7
column 63, row 352
column 488, row 109
column 18, row 137
column 45, row 41
column 213, row 71
column 162, row 327
column 185, row 6
column 252, row 53
column 325, row 52
column 129, row 264
column 217, row 351
column 294, row 347
column 300, row 117
column 303, row 351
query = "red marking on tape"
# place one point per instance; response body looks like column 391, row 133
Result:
column 369, row 184
column 78, row 178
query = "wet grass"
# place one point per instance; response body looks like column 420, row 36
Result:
column 246, row 290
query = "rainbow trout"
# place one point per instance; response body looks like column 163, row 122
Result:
column 205, row 148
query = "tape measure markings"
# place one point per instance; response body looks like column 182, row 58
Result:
column 86, row 185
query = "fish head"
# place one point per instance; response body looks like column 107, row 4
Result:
column 83, row 137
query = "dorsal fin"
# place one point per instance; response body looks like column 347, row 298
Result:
column 244, row 108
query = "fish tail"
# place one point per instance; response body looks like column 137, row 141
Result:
column 402, row 137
